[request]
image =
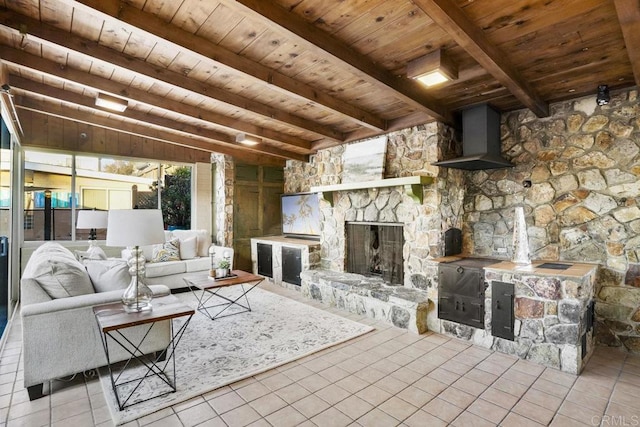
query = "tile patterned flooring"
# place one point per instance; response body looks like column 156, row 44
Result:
column 385, row 378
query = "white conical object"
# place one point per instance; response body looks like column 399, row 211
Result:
column 520, row 241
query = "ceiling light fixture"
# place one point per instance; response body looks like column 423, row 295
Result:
column 602, row 98
column 111, row 102
column 432, row 69
column 247, row 139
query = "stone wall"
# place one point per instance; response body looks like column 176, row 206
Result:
column 584, row 166
column 409, row 152
column 223, row 199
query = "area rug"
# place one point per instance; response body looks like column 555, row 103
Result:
column 214, row 353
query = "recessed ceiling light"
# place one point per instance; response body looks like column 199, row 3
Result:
column 432, row 69
column 111, row 102
column 247, row 139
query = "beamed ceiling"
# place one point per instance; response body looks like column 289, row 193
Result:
column 300, row 75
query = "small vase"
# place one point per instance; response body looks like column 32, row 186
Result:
column 222, row 272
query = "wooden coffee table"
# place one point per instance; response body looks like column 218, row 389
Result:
column 206, row 288
column 113, row 321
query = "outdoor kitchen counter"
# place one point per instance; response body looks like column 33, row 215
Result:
column 574, row 269
column 543, row 315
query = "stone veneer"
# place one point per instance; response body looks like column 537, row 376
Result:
column 409, row 152
column 551, row 312
column 223, row 199
column 584, row 165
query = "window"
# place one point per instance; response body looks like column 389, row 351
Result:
column 99, row 183
column 47, row 195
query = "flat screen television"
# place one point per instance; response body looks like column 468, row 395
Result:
column 301, row 215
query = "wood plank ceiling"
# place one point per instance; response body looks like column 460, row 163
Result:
column 301, row 75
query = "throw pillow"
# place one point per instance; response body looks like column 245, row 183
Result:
column 95, row 252
column 109, row 275
column 169, row 251
column 189, row 248
column 61, row 277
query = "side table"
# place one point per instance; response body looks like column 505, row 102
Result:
column 113, row 321
column 209, row 288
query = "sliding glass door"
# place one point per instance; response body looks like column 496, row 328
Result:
column 5, row 222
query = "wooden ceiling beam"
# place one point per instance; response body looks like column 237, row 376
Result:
column 79, row 116
column 207, row 51
column 96, row 83
column 629, row 17
column 30, row 87
column 448, row 15
column 50, row 35
column 405, row 89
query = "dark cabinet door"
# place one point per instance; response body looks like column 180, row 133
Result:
column 502, row 310
column 461, row 309
column 265, row 260
column 291, row 265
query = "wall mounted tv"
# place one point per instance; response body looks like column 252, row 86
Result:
column 301, row 215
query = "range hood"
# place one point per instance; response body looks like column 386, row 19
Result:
column 480, row 141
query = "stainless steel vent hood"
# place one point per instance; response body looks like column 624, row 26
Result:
column 480, row 141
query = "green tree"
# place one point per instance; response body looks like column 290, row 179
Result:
column 176, row 198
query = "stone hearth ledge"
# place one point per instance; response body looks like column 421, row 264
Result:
column 400, row 306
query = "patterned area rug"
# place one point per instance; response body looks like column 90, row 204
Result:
column 214, row 353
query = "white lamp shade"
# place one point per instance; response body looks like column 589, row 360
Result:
column 92, row 219
column 135, row 227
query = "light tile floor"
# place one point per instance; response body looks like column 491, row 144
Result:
column 386, row 378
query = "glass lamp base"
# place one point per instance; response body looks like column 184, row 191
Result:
column 137, row 307
column 137, row 297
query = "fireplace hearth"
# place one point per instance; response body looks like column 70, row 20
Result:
column 374, row 249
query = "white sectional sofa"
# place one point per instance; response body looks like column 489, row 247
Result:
column 60, row 336
column 171, row 273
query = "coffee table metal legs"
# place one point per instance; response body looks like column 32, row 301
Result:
column 216, row 311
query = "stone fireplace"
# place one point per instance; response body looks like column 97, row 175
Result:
column 442, row 205
column 375, row 249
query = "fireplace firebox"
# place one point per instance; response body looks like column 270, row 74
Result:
column 375, row 249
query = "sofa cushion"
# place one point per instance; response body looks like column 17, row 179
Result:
column 197, row 264
column 203, row 237
column 164, row 268
column 108, row 275
column 169, row 251
column 57, row 272
column 189, row 248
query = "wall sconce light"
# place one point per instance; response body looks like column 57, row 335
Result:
column 602, row 98
column 432, row 69
column 111, row 102
column 247, row 139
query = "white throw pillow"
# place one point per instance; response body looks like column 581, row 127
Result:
column 61, row 277
column 94, row 252
column 108, row 275
column 189, row 248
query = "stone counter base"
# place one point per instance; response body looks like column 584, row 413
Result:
column 402, row 307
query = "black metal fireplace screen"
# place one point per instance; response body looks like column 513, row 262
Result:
column 375, row 249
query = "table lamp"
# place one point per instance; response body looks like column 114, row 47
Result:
column 93, row 220
column 134, row 228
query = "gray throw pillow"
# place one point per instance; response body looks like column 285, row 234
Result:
column 61, row 277
column 109, row 275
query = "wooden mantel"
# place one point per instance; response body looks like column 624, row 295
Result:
column 412, row 186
